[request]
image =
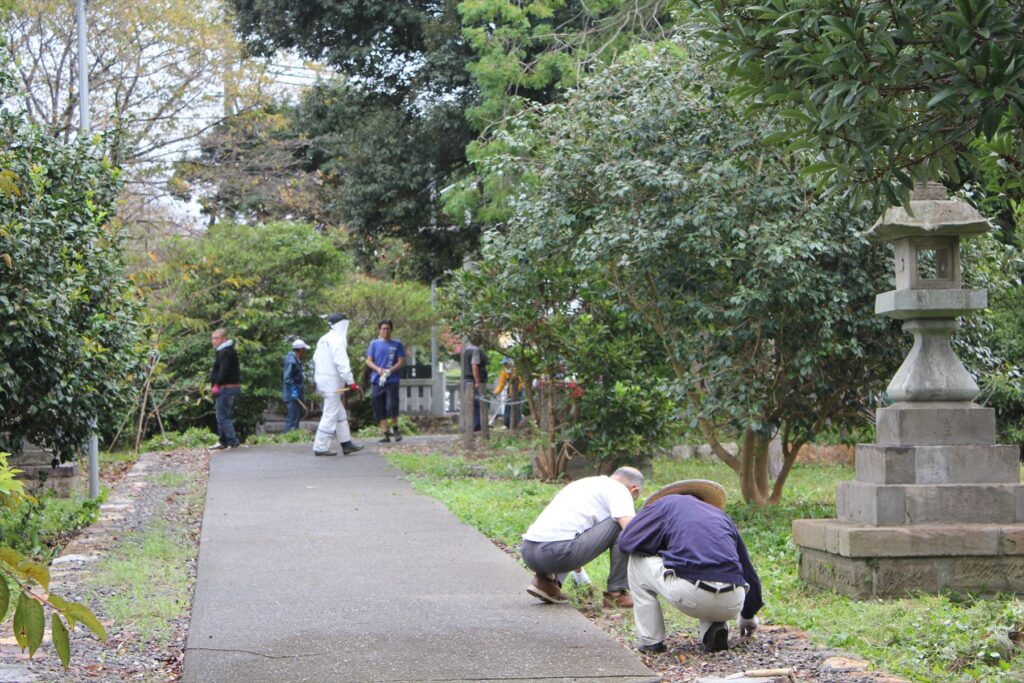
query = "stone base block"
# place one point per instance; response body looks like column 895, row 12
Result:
column 970, row 464
column 881, row 504
column 935, row 424
column 63, row 480
column 895, row 577
column 920, row 540
column 886, row 562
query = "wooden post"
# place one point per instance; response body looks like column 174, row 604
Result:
column 467, row 414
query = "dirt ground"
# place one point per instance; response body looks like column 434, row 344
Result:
column 136, row 497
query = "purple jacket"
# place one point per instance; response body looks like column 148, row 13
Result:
column 697, row 541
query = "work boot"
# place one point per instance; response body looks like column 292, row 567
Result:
column 395, row 434
column 325, row 452
column 618, row 600
column 653, row 648
column 386, row 438
column 546, row 589
column 716, row 638
column 349, row 447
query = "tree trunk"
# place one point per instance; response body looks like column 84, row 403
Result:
column 753, row 458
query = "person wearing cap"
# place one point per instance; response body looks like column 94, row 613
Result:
column 579, row 524
column 385, row 358
column 226, row 387
column 332, row 374
column 683, row 547
column 294, row 390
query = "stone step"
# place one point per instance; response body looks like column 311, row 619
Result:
column 935, row 424
column 967, row 464
column 897, row 577
column 850, row 539
column 884, row 505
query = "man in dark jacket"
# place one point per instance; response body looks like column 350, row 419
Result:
column 293, row 390
column 683, row 546
column 226, row 378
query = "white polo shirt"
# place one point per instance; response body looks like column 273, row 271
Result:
column 578, row 507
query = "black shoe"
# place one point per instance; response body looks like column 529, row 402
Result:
column 716, row 639
column 655, row 649
column 350, row 447
column 395, row 434
column 325, row 452
column 385, row 439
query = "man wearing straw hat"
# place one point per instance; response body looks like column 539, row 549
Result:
column 683, row 547
column 579, row 524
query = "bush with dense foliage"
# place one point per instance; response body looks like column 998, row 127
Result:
column 68, row 311
column 757, row 294
column 265, row 284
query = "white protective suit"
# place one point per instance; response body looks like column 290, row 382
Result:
column 332, row 372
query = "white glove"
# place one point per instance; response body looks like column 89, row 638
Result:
column 747, row 626
column 580, row 578
column 384, row 377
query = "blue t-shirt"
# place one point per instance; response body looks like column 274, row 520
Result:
column 385, row 354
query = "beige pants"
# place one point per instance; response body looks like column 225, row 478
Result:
column 648, row 579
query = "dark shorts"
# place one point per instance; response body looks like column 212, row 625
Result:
column 385, row 401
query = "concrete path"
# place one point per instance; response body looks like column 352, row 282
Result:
column 334, row 569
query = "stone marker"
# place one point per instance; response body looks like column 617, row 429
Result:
column 936, row 504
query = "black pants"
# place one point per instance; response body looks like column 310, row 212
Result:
column 385, row 401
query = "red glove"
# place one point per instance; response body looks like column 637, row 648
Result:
column 353, row 387
column 215, row 390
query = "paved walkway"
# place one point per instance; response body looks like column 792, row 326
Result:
column 334, row 569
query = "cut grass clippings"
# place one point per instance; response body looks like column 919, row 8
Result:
column 927, row 638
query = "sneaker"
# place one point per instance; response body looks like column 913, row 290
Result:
column 652, row 649
column 350, row 447
column 325, row 452
column 716, row 638
column 385, row 439
column 547, row 590
column 395, row 434
column 618, row 600
column 218, row 446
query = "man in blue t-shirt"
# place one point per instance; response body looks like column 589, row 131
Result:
column 385, row 358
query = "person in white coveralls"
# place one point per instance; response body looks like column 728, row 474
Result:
column 332, row 374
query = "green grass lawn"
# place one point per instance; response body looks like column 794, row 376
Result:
column 924, row 638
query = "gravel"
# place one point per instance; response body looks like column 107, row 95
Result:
column 135, row 500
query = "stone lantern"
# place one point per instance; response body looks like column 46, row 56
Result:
column 936, row 504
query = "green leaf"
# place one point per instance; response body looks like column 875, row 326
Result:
column 29, row 623
column 5, row 597
column 82, row 614
column 11, row 557
column 35, row 623
column 940, row 96
column 39, row 573
column 61, row 642
column 818, row 167
column 18, row 625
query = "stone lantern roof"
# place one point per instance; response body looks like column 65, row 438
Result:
column 931, row 214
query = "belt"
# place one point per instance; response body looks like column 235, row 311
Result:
column 702, row 585
column 230, row 386
column 712, row 589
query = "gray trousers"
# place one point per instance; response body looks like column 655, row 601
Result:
column 561, row 557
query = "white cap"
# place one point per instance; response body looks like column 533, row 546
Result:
column 299, row 344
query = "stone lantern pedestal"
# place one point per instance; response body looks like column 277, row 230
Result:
column 936, row 503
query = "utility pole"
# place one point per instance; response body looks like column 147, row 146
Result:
column 84, row 126
column 83, row 70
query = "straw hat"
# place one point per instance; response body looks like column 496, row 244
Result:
column 711, row 492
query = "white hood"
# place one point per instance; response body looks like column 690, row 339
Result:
column 331, row 368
